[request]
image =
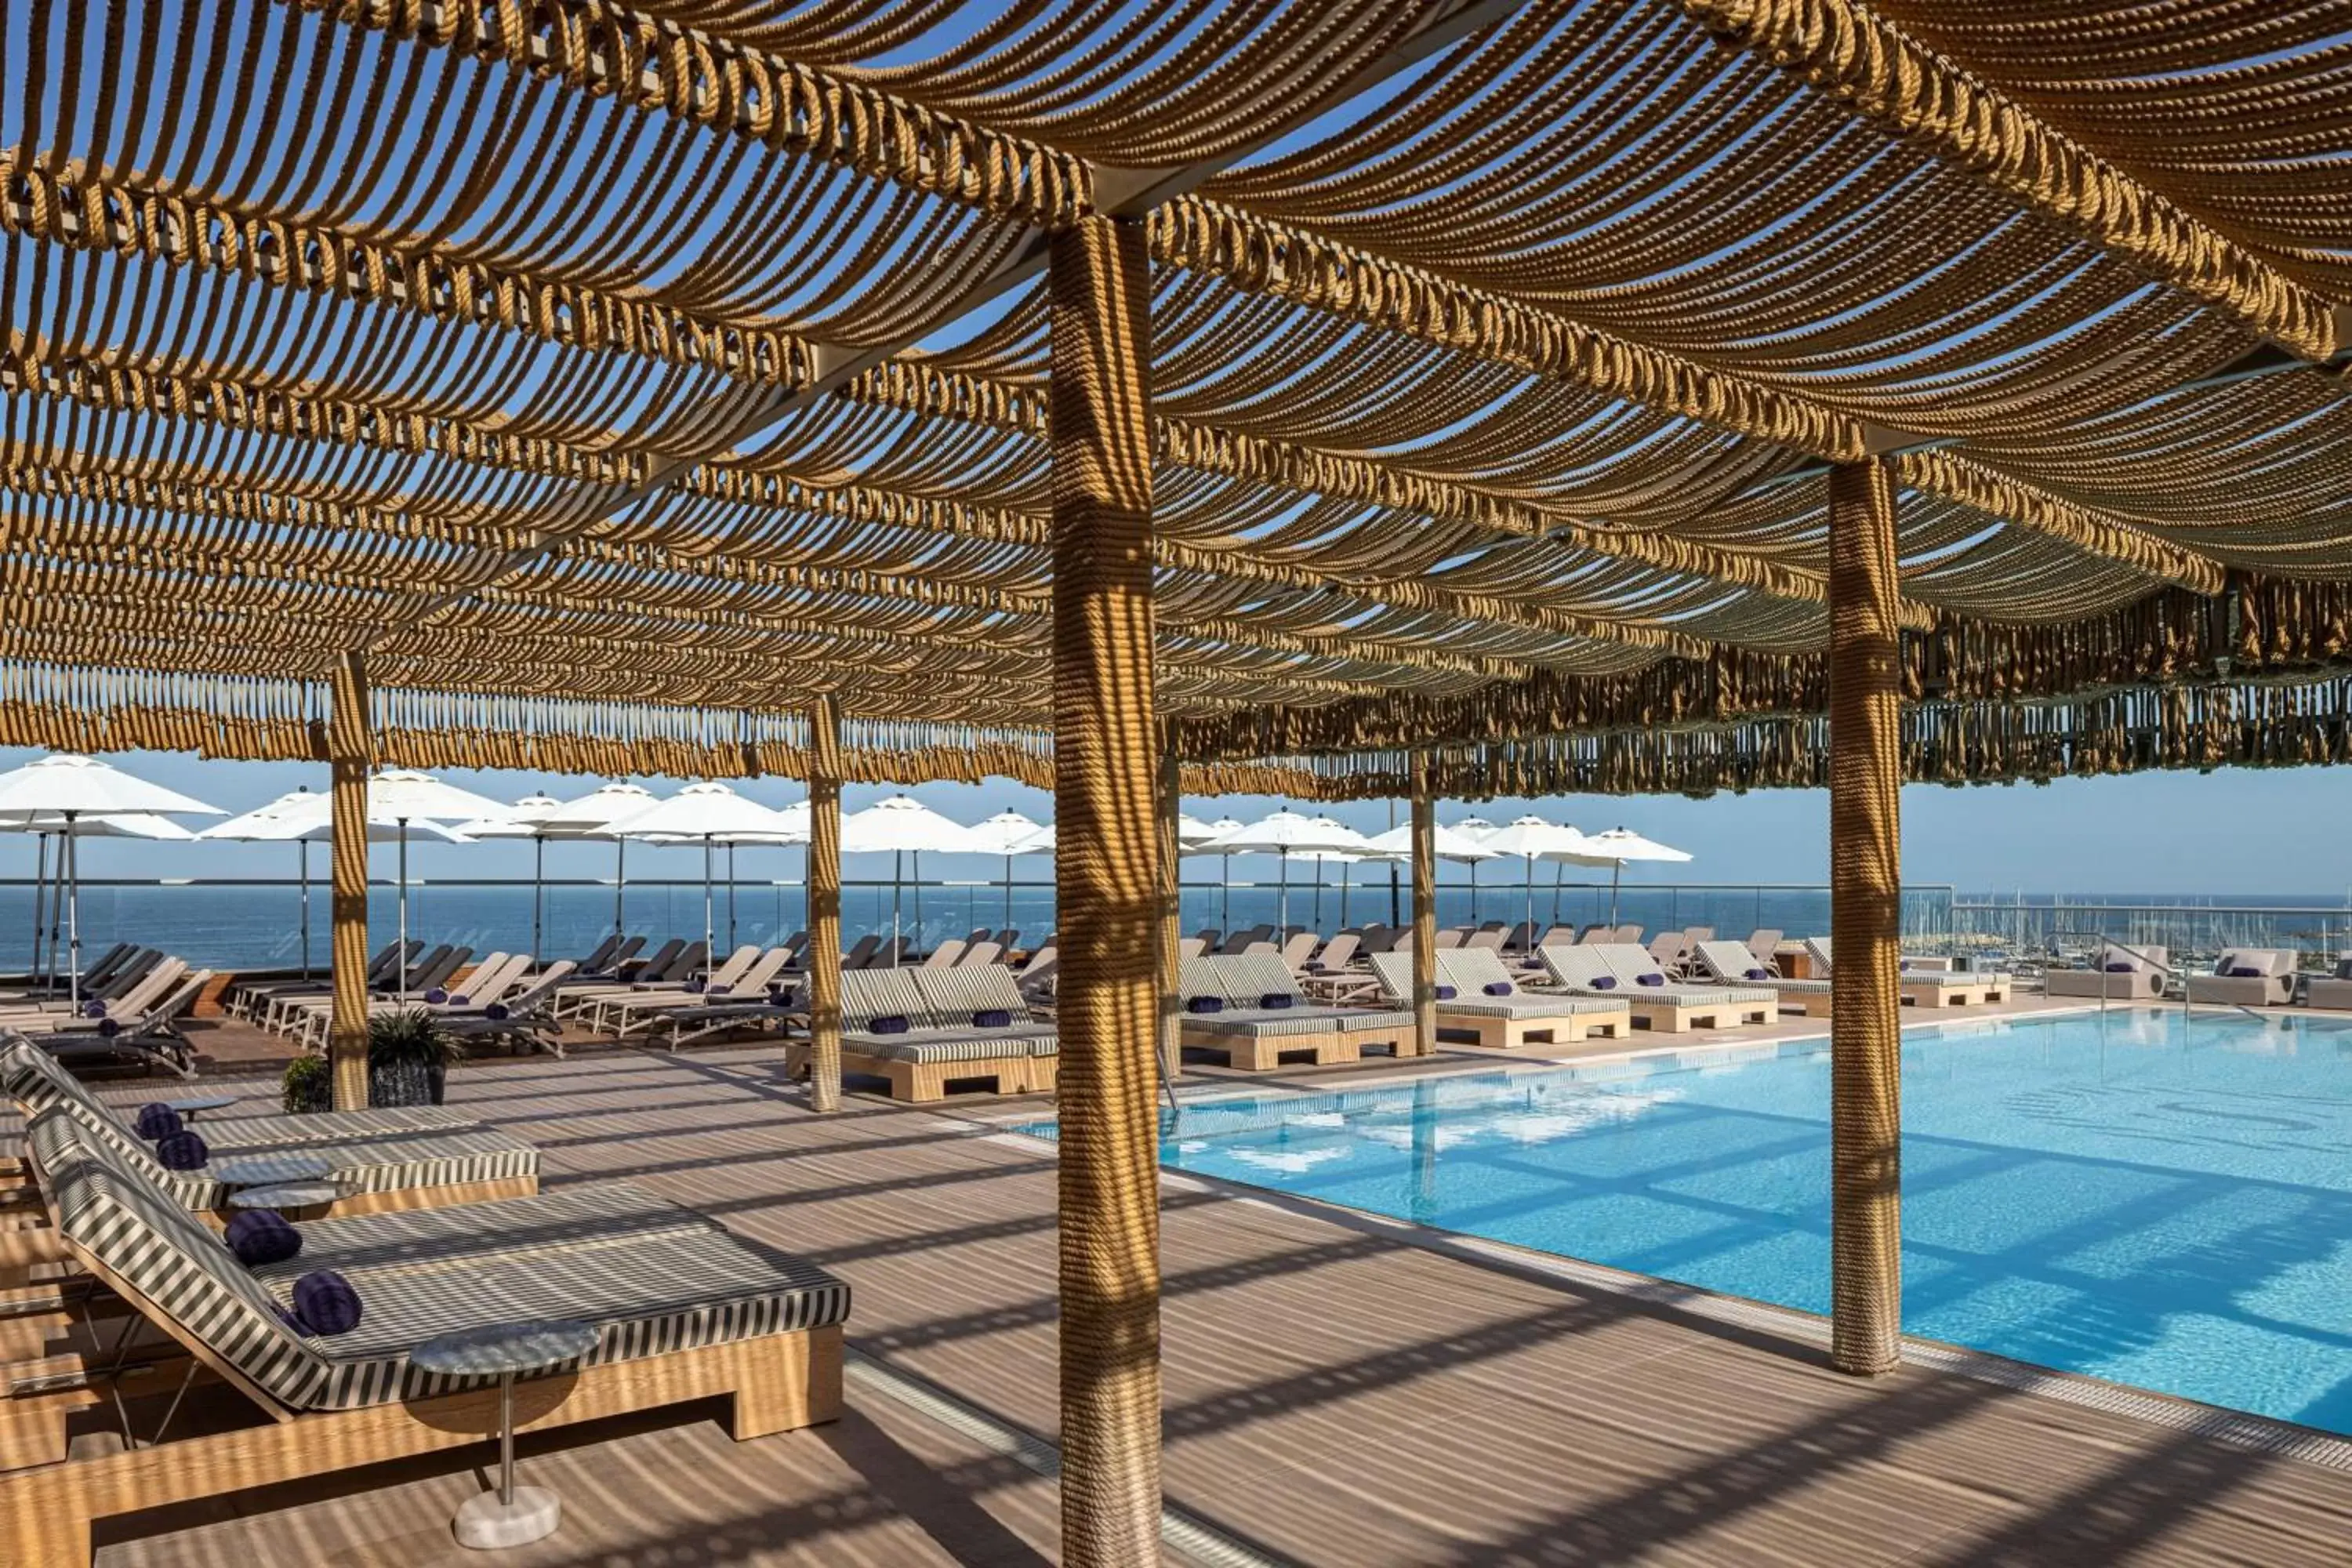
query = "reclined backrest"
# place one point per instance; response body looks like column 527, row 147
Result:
column 1629, row 962
column 602, row 953
column 1732, row 961
column 1817, row 948
column 664, row 955
column 953, row 995
column 1470, row 970
column 161, row 1252
column 1246, row 979
column 1580, row 966
column 1394, row 971
column 870, row 994
column 1762, row 941
column 36, row 1080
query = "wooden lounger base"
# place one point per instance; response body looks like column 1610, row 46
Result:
column 1265, row 1053
column 1676, row 1017
column 1499, row 1033
column 921, row 1082
column 778, row 1383
column 1955, row 995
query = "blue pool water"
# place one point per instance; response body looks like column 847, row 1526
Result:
column 2166, row 1211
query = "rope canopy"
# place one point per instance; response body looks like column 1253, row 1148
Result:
column 636, row 376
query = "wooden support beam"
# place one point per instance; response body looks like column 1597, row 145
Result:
column 1171, row 910
column 1424, row 910
column 1107, row 882
column 823, row 893
column 348, row 752
column 1866, row 924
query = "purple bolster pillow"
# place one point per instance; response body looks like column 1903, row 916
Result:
column 93, row 1009
column 993, row 1019
column 1499, row 988
column 157, row 1120
column 498, row 1011
column 1604, row 982
column 1205, row 1005
column 437, row 996
column 1651, row 979
column 2119, row 969
column 262, row 1236
column 182, row 1151
column 326, row 1303
column 1446, row 994
column 717, row 990
column 1277, row 1000
column 888, row 1024
column 1760, row 975
column 2239, row 972
column 108, row 1027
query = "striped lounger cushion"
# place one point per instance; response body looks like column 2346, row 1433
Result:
column 939, row 1045
column 375, row 1165
column 1271, row 1021
column 1527, row 1006
column 650, row 1294
column 1688, row 995
column 953, row 995
column 1358, row 1022
column 455, row 1237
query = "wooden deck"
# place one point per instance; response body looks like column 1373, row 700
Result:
column 1336, row 1393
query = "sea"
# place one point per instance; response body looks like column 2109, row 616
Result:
column 253, row 923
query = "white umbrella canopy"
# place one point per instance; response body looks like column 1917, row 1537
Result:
column 69, row 783
column 1282, row 834
column 1450, row 843
column 1623, row 844
column 407, row 794
column 1476, row 829
column 75, row 788
column 901, row 825
column 107, row 824
column 1192, row 830
column 1205, row 842
column 1531, row 839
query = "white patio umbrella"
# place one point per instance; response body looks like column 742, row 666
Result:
column 899, row 825
column 1620, row 844
column 406, row 796
column 591, row 815
column 118, row 825
column 75, row 788
column 302, row 818
column 710, row 813
column 1008, row 834
column 1206, row 844
column 1450, row 843
column 1531, row 839
column 526, row 818
column 1283, row 835
column 1192, row 830
column 1474, row 828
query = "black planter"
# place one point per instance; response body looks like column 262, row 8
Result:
column 405, row 1083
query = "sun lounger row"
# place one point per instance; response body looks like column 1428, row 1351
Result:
column 1478, row 997
column 680, row 1309
column 1250, row 1009
column 923, row 1029
column 133, row 1017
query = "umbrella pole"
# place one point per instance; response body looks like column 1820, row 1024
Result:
column 898, row 864
column 730, row 897
column 1531, row 890
column 1559, row 869
column 707, row 932
column 1346, row 870
column 403, row 869
column 40, row 887
column 1616, row 870
column 1282, row 904
column 1319, row 897
column 537, row 897
column 73, row 914
column 919, row 896
column 1225, row 902
column 620, row 882
column 1008, row 892
column 302, row 875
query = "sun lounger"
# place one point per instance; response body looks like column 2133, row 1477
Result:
column 1763, row 943
column 1923, row 988
column 683, row 1310
column 2247, row 977
column 1732, row 1005
column 94, row 1012
column 1250, row 1032
column 2117, row 972
column 1735, row 964
column 670, row 968
column 1469, row 1003
column 1585, row 970
column 151, row 1039
column 943, row 1042
column 491, row 981
column 2333, row 992
column 609, row 1012
column 757, row 996
column 986, row 950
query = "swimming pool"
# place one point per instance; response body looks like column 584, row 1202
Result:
column 2160, row 1206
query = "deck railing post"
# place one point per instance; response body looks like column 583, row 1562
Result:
column 348, row 753
column 1171, row 914
column 1425, row 911
column 1866, row 918
column 1098, row 283
column 825, row 905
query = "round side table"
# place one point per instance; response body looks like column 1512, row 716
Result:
column 290, row 1198
column 269, row 1170
column 196, row 1105
column 512, row 1515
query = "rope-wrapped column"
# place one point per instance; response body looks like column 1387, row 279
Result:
column 1106, row 880
column 825, row 905
column 1171, row 915
column 348, row 750
column 1425, row 911
column 1866, row 924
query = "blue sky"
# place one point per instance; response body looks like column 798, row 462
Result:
column 2240, row 832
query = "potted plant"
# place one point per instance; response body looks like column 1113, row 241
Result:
column 408, row 1059
column 308, row 1085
